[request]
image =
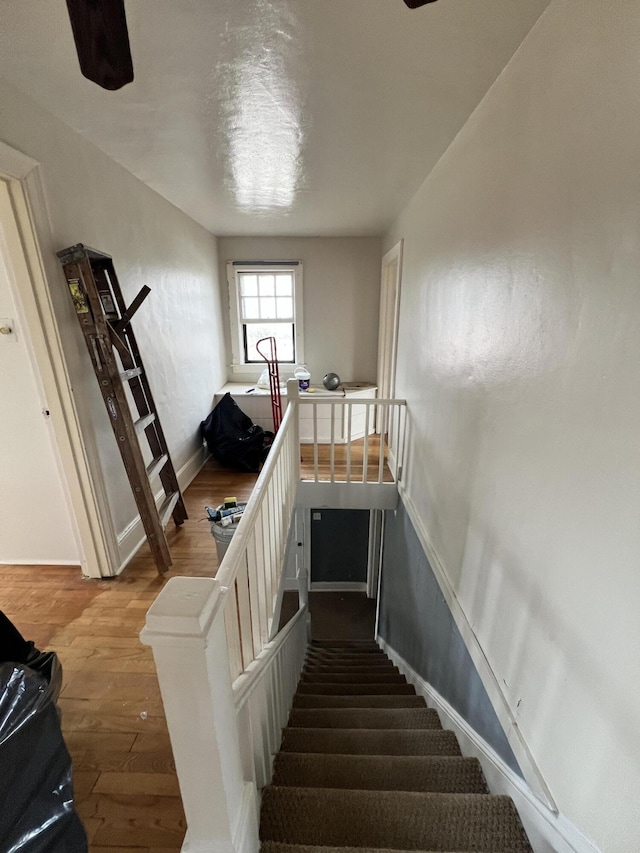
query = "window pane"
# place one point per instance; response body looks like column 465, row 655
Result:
column 282, row 332
column 248, row 285
column 284, row 284
column 267, row 285
column 285, row 308
column 250, row 309
column 268, row 308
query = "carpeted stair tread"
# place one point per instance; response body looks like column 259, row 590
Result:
column 345, row 644
column 364, row 718
column 352, row 654
column 356, row 666
column 344, row 650
column 449, row 774
column 349, row 678
column 357, row 689
column 315, row 700
column 370, row 741
column 396, row 819
column 279, row 847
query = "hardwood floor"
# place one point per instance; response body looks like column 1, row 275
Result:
column 126, row 790
column 355, row 464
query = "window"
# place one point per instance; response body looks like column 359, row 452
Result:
column 265, row 301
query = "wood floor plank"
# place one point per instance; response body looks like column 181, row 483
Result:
column 104, row 741
column 132, row 806
column 139, row 831
column 91, row 825
column 101, row 849
column 106, row 707
column 84, row 781
column 132, row 783
column 151, row 742
column 131, row 723
column 143, row 761
column 84, row 641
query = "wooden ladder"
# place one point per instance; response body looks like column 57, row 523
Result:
column 105, row 322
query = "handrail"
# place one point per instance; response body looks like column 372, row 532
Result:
column 350, row 401
column 229, row 568
column 252, row 566
column 246, row 682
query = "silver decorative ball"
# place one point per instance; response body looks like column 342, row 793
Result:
column 331, row 381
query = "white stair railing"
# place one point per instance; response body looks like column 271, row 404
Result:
column 370, row 458
column 252, row 566
column 225, row 688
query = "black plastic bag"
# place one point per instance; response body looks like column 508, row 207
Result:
column 233, row 439
column 36, row 791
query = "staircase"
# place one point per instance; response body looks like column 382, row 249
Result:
column 365, row 764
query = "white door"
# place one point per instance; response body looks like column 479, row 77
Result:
column 30, row 261
column 37, row 520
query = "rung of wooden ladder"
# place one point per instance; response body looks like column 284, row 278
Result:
column 105, row 321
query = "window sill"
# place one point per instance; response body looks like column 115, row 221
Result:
column 253, row 371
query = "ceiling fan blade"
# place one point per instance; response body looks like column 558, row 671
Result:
column 415, row 4
column 102, row 41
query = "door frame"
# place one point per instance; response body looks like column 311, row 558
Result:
column 390, row 283
column 374, row 562
column 37, row 266
column 374, row 555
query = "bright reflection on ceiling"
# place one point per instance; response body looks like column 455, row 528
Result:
column 262, row 109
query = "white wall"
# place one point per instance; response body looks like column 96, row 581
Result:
column 36, row 527
column 341, row 298
column 520, row 359
column 94, row 201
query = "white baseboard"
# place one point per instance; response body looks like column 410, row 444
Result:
column 133, row 536
column 245, row 837
column 44, row 563
column 245, row 833
column 548, row 831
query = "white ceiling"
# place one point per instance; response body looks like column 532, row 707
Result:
column 289, row 117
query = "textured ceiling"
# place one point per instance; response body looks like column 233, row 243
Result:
column 290, row 117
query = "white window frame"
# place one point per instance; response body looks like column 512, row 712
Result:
column 239, row 366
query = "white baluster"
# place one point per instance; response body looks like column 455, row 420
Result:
column 365, row 453
column 382, row 418
column 232, row 628
column 244, row 615
column 315, row 443
column 349, row 415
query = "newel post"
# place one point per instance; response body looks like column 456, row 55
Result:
column 185, row 628
column 293, row 399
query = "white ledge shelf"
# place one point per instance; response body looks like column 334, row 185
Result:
column 256, row 402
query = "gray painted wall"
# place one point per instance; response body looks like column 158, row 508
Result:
column 416, row 622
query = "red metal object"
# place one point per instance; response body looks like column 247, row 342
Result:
column 274, row 380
